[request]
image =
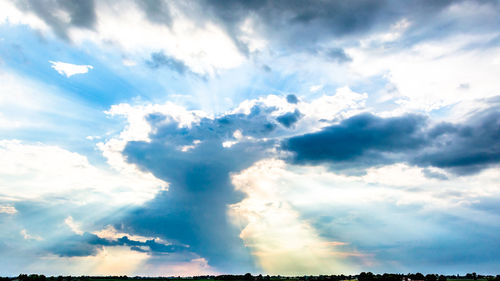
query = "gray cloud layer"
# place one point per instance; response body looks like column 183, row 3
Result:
column 304, row 26
column 82, row 13
column 366, row 140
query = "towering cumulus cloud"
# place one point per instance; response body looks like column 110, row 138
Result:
column 197, row 161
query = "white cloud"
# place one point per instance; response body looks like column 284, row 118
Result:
column 315, row 88
column 7, row 210
column 37, row 171
column 397, row 184
column 396, row 30
column 10, row 14
column 250, row 37
column 110, row 233
column 342, row 104
column 205, row 48
column 138, row 129
column 28, row 236
column 74, row 226
column 69, row 69
column 429, row 75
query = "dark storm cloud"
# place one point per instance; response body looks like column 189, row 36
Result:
column 366, row 140
column 194, row 210
column 357, row 139
column 467, row 148
column 290, row 118
column 82, row 13
column 75, row 246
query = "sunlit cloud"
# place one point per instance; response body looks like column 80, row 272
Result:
column 28, row 236
column 69, row 69
column 8, row 210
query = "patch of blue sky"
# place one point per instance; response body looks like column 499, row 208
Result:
column 28, row 53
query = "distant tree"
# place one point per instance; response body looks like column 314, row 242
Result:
column 390, row 277
column 248, row 277
column 419, row 276
column 366, row 276
column 442, row 278
column 430, row 277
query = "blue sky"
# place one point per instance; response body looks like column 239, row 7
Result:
column 276, row 137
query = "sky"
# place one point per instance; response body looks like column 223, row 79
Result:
column 179, row 138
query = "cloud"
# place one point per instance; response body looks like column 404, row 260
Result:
column 333, row 54
column 231, row 32
column 74, row 226
column 157, row 11
column 194, row 210
column 362, row 140
column 366, row 140
column 205, row 150
column 69, row 69
column 38, row 172
column 28, row 236
column 105, row 261
column 465, row 148
column 10, row 210
column 297, row 26
column 87, row 244
column 160, row 60
column 413, row 71
column 280, row 240
column 62, row 15
column 144, row 29
column 292, row 99
column 111, row 233
column 290, row 118
column 375, row 216
column 174, row 174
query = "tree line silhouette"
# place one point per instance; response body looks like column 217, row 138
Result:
column 363, row 276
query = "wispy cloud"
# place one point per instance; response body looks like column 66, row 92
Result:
column 28, row 236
